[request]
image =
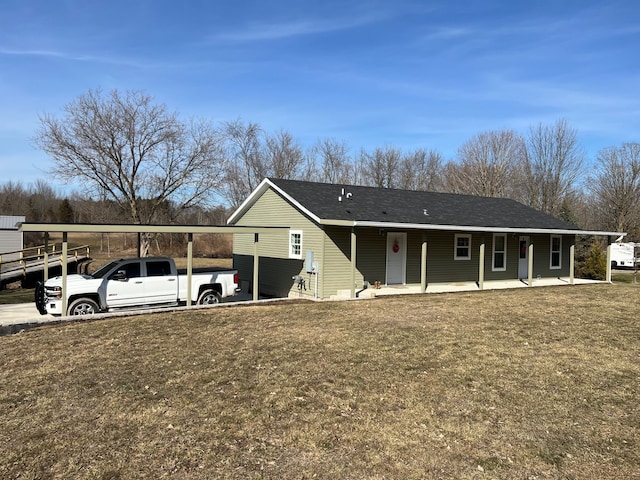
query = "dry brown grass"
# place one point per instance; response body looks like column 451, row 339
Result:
column 523, row 384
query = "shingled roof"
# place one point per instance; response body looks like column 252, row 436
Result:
column 354, row 205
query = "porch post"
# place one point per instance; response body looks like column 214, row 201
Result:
column 530, row 266
column 63, row 264
column 572, row 262
column 481, row 267
column 353, row 262
column 256, row 262
column 423, row 266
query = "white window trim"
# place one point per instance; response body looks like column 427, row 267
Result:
column 291, row 252
column 455, row 246
column 551, row 266
column 504, row 252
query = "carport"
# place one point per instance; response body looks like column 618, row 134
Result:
column 189, row 230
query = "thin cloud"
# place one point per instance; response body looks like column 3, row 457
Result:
column 66, row 56
column 448, row 33
column 117, row 61
column 294, row 28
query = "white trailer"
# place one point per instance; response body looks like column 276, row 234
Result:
column 624, row 255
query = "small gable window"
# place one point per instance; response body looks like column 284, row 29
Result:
column 295, row 244
column 556, row 252
column 462, row 247
column 499, row 252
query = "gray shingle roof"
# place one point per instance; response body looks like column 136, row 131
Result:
column 367, row 204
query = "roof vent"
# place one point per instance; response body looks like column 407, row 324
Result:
column 348, row 195
column 425, row 212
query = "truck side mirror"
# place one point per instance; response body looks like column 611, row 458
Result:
column 120, row 275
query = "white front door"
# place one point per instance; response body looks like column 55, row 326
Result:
column 396, row 258
column 523, row 257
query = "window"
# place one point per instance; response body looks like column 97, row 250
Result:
column 499, row 252
column 128, row 270
column 158, row 268
column 556, row 252
column 295, row 243
column 462, row 247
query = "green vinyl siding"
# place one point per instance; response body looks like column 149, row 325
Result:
column 511, row 260
column 336, row 268
column 371, row 254
column 276, row 269
column 441, row 266
column 542, row 259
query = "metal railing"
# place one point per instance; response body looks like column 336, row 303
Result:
column 21, row 259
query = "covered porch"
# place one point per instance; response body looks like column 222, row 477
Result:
column 451, row 287
column 481, row 257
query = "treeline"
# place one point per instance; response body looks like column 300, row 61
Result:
column 546, row 169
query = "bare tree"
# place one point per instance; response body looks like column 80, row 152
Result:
column 334, row 164
column 134, row 150
column 13, row 198
column 616, row 187
column 421, row 170
column 553, row 167
column 43, row 202
column 283, row 156
column 380, row 168
column 245, row 166
column 487, row 164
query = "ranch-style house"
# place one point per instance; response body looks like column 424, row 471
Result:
column 346, row 241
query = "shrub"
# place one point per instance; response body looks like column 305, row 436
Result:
column 595, row 265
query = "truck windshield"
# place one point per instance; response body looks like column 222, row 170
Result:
column 102, row 271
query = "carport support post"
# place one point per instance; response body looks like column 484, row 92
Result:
column 189, row 266
column 63, row 264
column 572, row 262
column 353, row 262
column 46, row 257
column 256, row 263
column 530, row 265
column 423, row 266
column 481, row 267
column 608, row 260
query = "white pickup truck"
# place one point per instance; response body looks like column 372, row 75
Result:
column 134, row 283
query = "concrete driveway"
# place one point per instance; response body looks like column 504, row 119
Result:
column 19, row 313
column 16, row 317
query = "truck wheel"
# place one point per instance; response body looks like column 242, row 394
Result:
column 209, row 297
column 82, row 306
column 40, row 298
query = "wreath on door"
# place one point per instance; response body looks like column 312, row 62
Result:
column 396, row 246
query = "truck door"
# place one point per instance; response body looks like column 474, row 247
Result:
column 160, row 285
column 125, row 286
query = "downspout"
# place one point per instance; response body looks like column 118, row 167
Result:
column 365, row 285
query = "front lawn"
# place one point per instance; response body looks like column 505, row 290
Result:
column 539, row 383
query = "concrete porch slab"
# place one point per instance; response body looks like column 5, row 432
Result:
column 448, row 287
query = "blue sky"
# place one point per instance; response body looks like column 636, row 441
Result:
column 372, row 73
